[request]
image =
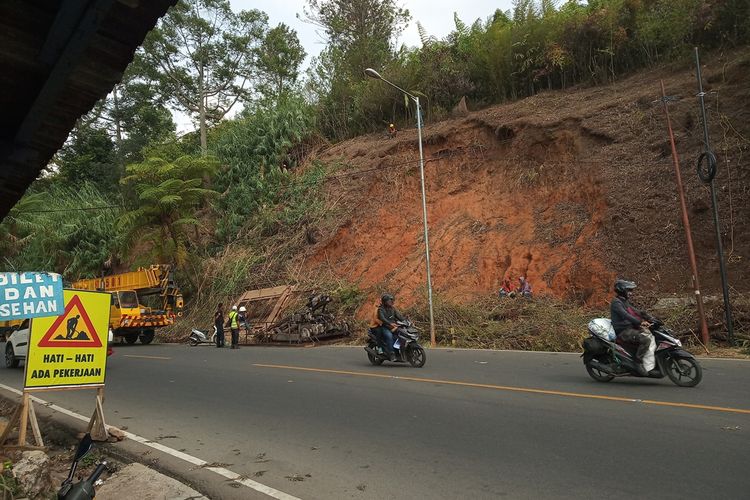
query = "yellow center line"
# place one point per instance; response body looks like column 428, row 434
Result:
column 143, row 357
column 513, row 389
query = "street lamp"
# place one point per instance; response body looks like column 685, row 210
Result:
column 377, row 76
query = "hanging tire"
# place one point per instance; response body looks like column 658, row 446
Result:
column 416, row 355
column 685, row 372
column 11, row 361
column 147, row 336
column 598, row 375
column 131, row 338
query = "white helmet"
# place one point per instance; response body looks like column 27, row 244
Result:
column 243, row 309
column 234, row 308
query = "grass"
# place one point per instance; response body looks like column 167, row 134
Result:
column 493, row 323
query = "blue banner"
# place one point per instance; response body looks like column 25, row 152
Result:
column 30, row 295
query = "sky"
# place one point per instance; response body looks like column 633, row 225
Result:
column 435, row 15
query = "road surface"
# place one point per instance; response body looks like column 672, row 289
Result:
column 323, row 423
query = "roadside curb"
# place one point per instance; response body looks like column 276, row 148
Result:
column 201, row 479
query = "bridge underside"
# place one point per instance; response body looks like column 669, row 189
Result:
column 57, row 59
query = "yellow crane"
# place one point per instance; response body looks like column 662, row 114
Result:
column 129, row 318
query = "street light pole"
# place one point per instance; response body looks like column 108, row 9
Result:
column 374, row 74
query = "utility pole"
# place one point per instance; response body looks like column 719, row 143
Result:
column 709, row 159
column 371, row 73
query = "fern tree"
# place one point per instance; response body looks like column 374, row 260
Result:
column 168, row 194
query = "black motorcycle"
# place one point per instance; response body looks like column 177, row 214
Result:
column 606, row 359
column 84, row 489
column 406, row 346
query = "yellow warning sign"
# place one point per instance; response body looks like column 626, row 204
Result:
column 70, row 349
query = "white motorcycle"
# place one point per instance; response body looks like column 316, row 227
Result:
column 198, row 337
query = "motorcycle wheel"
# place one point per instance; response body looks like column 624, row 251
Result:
column 598, row 375
column 193, row 342
column 685, row 372
column 416, row 355
column 375, row 360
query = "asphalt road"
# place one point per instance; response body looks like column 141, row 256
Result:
column 470, row 424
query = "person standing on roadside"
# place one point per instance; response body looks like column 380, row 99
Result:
column 219, row 325
column 234, row 327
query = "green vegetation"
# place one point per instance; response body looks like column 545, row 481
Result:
column 61, row 228
column 168, row 194
column 536, row 46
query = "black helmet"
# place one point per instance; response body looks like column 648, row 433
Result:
column 386, row 297
column 622, row 287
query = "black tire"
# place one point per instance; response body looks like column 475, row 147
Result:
column 598, row 375
column 374, row 360
column 192, row 342
column 685, row 372
column 11, row 361
column 416, row 355
column 131, row 338
column 147, row 336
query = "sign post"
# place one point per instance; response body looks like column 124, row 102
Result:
column 67, row 352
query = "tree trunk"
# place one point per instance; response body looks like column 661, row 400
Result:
column 118, row 132
column 202, row 115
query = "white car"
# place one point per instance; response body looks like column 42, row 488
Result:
column 18, row 345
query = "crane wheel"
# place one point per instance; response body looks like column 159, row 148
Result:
column 147, row 336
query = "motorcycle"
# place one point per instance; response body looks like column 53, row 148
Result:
column 406, row 346
column 607, row 357
column 200, row 337
column 84, row 489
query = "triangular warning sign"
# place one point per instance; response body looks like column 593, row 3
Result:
column 72, row 329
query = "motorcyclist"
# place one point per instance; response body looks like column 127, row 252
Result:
column 384, row 323
column 631, row 324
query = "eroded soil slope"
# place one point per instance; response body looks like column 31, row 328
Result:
column 568, row 188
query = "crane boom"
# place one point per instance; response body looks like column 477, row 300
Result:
column 129, row 318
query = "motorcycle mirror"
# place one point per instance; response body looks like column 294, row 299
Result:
column 84, row 447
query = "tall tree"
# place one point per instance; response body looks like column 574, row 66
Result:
column 279, row 60
column 361, row 34
column 364, row 31
column 204, row 57
column 136, row 114
column 89, row 156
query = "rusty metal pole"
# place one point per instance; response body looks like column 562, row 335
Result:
column 686, row 221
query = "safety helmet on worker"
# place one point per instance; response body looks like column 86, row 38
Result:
column 624, row 287
column 243, row 309
column 234, row 308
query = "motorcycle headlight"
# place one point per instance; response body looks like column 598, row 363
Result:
column 678, row 342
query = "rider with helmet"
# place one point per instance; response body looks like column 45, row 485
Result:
column 384, row 323
column 631, row 324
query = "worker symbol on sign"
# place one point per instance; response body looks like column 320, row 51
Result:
column 73, row 328
column 72, row 324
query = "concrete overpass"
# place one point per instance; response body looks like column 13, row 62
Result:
column 57, row 59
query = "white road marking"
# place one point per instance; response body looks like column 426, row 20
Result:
column 226, row 473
